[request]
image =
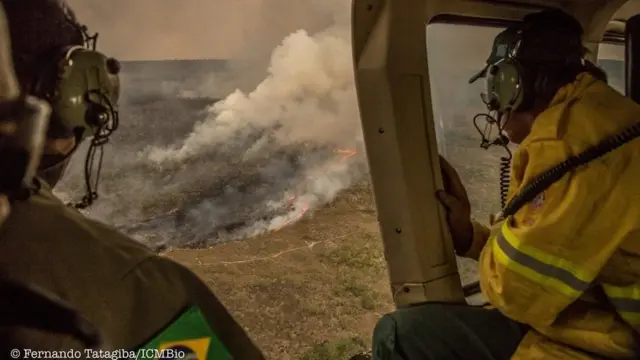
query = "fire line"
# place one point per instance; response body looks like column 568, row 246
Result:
column 346, row 153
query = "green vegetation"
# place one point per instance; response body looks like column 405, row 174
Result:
column 335, row 350
column 367, row 298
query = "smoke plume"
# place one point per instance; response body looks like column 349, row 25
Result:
column 252, row 162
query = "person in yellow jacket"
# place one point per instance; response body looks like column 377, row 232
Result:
column 141, row 302
column 562, row 274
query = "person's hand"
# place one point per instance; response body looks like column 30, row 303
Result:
column 455, row 200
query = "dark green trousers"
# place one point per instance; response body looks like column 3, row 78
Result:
column 436, row 331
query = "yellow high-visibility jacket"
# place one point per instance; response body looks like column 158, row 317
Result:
column 568, row 262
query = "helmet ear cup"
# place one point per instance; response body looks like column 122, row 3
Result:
column 82, row 87
column 506, row 85
column 510, row 85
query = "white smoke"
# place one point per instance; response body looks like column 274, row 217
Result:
column 308, row 95
column 305, row 108
column 309, row 92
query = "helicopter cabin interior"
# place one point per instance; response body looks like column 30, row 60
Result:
column 408, row 110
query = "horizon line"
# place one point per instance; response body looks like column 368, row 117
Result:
column 176, row 59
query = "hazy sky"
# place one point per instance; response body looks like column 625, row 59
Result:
column 188, row 29
column 166, row 29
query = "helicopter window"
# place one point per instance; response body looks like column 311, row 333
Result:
column 455, row 53
column 611, row 60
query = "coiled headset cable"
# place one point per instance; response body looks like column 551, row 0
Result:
column 500, row 140
column 505, row 175
column 504, row 171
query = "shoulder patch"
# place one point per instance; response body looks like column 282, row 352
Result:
column 190, row 337
column 531, row 211
column 538, row 201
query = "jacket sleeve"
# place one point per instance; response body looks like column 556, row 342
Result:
column 547, row 254
column 162, row 289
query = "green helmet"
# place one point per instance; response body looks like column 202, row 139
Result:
column 83, row 91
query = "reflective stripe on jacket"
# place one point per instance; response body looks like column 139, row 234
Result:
column 568, row 263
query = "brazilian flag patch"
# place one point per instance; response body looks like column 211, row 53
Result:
column 189, row 337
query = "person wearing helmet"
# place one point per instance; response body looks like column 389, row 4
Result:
column 23, row 126
column 560, row 266
column 138, row 300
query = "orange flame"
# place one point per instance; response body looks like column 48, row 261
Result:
column 305, row 208
column 346, row 153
